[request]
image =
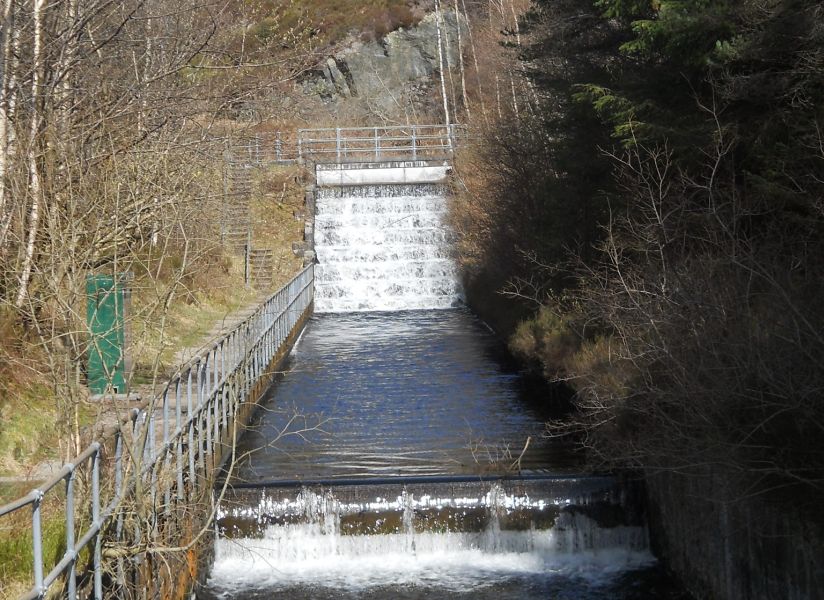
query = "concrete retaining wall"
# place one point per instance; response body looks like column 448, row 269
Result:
column 745, row 547
column 370, row 174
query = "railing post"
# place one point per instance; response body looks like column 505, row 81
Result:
column 37, row 541
column 190, row 430
column 207, row 367
column 98, row 542
column 337, row 142
column 118, row 463
column 377, row 145
column 149, row 447
column 414, row 143
column 70, row 549
column 178, row 438
column 247, row 259
column 167, row 489
column 223, row 346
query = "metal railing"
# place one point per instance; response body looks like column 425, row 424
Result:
column 347, row 144
column 264, row 148
column 158, row 453
column 402, row 142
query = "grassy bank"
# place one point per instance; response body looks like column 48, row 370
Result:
column 174, row 306
column 16, row 572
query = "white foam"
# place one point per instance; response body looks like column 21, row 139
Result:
column 303, row 555
column 314, row 552
column 381, row 252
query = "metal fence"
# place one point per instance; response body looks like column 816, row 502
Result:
column 347, row 144
column 165, row 453
column 353, row 144
column 264, row 148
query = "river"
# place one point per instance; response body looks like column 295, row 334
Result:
column 388, row 460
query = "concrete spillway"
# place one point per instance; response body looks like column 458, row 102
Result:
column 512, row 539
column 382, row 240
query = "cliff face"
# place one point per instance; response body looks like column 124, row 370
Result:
column 391, row 76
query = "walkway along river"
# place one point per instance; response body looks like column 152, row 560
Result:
column 399, row 455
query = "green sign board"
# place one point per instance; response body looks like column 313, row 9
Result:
column 106, row 369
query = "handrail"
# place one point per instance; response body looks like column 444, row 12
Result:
column 213, row 384
column 348, row 143
column 397, row 142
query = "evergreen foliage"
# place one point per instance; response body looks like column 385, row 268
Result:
column 667, row 206
column 675, row 213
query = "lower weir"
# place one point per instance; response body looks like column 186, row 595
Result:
column 522, row 538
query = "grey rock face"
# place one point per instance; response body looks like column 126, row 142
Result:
column 383, row 73
column 336, row 78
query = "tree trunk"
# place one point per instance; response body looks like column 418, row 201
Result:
column 6, row 77
column 475, row 61
column 464, row 96
column 441, row 65
column 35, row 186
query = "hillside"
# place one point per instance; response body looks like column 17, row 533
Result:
column 136, row 181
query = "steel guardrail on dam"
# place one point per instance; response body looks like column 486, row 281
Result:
column 346, row 144
column 397, row 142
column 156, row 454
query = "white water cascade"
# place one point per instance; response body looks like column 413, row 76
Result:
column 382, row 241
column 456, row 538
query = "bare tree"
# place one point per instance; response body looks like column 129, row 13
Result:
column 441, row 64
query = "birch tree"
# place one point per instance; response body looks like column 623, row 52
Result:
column 464, row 95
column 7, row 32
column 441, row 64
column 34, row 183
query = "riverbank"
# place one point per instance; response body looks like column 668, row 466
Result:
column 671, row 273
column 36, row 442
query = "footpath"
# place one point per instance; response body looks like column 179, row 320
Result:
column 112, row 409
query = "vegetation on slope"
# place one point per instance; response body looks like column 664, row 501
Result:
column 659, row 216
column 131, row 177
column 114, row 119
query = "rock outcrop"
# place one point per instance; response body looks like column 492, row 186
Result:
column 386, row 75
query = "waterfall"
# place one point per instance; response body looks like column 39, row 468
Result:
column 453, row 536
column 383, row 246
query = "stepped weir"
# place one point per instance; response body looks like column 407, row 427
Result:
column 381, row 239
column 419, row 469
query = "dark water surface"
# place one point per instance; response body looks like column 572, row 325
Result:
column 399, row 394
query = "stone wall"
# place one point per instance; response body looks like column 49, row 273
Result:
column 744, row 547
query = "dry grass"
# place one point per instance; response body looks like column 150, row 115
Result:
column 331, row 22
column 16, row 569
column 547, row 338
column 277, row 199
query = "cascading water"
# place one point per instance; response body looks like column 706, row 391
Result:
column 383, row 247
column 476, row 539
